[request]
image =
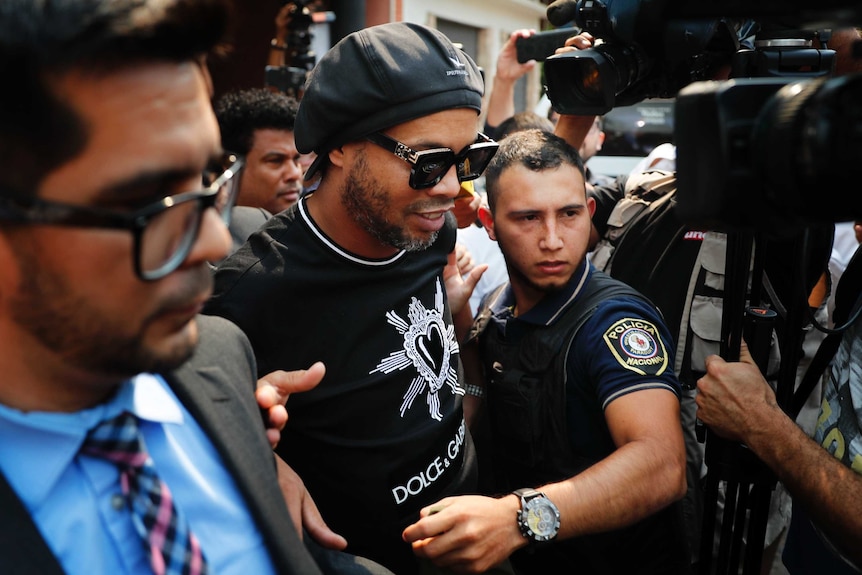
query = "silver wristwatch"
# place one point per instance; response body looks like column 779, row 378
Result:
column 539, row 518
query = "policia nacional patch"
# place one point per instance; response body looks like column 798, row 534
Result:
column 637, row 345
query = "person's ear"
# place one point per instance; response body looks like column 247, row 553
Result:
column 487, row 219
column 336, row 157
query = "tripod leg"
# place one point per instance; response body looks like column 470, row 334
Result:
column 741, row 515
column 727, row 527
column 710, row 505
column 760, row 496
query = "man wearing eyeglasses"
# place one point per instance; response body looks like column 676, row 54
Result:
column 353, row 276
column 130, row 439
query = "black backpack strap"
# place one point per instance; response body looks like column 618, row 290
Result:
column 848, row 295
column 600, row 288
column 825, row 351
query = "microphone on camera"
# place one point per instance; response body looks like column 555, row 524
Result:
column 561, row 12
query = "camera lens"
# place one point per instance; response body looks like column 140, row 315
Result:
column 807, row 144
column 588, row 81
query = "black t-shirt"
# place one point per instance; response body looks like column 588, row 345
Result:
column 383, row 434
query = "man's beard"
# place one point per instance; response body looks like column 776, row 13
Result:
column 82, row 333
column 517, row 275
column 368, row 206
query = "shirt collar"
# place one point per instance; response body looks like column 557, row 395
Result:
column 36, row 447
column 548, row 310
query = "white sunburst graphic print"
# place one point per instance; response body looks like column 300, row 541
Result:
column 428, row 346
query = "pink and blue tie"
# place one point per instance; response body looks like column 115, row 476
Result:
column 171, row 546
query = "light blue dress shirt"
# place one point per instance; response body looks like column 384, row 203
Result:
column 75, row 499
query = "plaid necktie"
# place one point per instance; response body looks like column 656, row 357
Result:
column 170, row 544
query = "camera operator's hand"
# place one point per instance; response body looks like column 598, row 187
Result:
column 734, row 399
column 278, row 47
column 574, row 129
column 501, row 101
column 581, row 41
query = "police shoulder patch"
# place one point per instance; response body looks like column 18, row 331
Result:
column 637, row 345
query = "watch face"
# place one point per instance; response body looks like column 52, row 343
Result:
column 542, row 517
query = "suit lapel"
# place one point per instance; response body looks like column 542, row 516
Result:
column 22, row 549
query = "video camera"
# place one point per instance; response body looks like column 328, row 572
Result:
column 639, row 54
column 771, row 149
column 301, row 59
column 773, row 153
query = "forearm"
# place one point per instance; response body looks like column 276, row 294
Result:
column 830, row 492
column 573, row 129
column 473, row 377
column 501, row 102
column 636, row 481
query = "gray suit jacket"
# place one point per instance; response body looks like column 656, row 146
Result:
column 216, row 385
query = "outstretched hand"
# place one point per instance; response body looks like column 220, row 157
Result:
column 275, row 388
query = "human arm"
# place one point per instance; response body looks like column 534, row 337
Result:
column 736, row 402
column 458, row 290
column 273, row 390
column 473, row 377
column 278, row 48
column 501, row 100
column 643, row 475
column 302, row 508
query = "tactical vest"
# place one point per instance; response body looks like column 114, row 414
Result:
column 526, row 405
column 526, row 389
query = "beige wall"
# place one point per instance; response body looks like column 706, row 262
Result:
column 494, row 19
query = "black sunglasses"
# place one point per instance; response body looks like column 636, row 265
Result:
column 429, row 166
column 164, row 231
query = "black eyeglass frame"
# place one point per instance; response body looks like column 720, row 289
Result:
column 414, row 158
column 17, row 209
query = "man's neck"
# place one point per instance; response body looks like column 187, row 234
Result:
column 325, row 208
column 43, row 381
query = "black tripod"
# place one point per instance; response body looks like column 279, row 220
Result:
column 748, row 482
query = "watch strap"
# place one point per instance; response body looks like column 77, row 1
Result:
column 527, row 493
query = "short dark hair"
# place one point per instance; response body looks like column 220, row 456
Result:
column 240, row 113
column 536, row 150
column 523, row 121
column 44, row 40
